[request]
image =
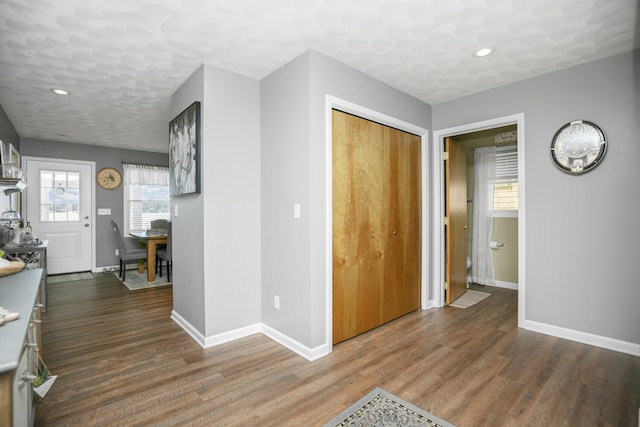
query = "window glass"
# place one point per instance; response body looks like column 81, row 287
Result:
column 59, row 196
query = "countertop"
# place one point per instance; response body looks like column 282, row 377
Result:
column 18, row 293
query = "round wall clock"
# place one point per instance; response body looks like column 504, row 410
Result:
column 108, row 178
column 578, row 147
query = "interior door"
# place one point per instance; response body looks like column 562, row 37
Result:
column 376, row 224
column 456, row 213
column 402, row 223
column 357, row 221
column 59, row 199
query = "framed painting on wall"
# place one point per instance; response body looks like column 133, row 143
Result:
column 184, row 152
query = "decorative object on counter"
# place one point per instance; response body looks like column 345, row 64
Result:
column 9, row 267
column 578, row 146
column 10, row 170
column 109, row 178
column 7, row 316
column 10, row 214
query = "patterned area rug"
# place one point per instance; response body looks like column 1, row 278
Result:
column 382, row 409
column 469, row 298
column 135, row 280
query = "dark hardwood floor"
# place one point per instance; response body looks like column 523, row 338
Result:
column 120, row 360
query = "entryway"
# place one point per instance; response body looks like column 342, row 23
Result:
column 59, row 206
column 449, row 258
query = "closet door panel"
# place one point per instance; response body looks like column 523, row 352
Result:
column 357, row 217
column 402, row 228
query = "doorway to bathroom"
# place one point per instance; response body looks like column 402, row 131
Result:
column 504, row 239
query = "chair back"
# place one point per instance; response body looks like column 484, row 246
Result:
column 160, row 224
column 169, row 244
column 119, row 238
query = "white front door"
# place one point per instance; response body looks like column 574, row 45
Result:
column 59, row 206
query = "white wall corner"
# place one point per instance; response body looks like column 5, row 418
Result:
column 310, row 354
column 188, row 328
column 582, row 337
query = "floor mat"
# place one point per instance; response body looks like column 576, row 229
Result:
column 469, row 298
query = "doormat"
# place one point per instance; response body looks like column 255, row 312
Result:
column 382, row 409
column 135, row 280
column 72, row 277
column 469, row 298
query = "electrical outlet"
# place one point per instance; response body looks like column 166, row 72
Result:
column 276, row 302
column 117, row 252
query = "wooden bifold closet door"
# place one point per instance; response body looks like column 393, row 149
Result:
column 376, row 224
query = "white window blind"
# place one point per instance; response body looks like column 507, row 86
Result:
column 505, row 195
column 507, row 163
column 146, row 194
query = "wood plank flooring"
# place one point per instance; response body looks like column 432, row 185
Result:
column 122, row 361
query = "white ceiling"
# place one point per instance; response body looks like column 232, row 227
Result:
column 122, row 59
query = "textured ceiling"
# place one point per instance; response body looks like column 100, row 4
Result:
column 122, row 59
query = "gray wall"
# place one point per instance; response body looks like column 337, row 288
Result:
column 113, row 199
column 8, row 133
column 581, row 232
column 187, row 227
column 217, row 233
column 293, row 162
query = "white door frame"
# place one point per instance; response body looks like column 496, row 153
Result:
column 437, row 226
column 366, row 113
column 93, row 196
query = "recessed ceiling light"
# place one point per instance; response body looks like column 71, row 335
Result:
column 59, row 91
column 484, row 52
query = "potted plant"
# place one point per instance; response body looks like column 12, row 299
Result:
column 43, row 380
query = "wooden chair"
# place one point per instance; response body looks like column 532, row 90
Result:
column 128, row 248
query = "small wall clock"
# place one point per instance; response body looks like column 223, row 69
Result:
column 578, row 146
column 109, row 178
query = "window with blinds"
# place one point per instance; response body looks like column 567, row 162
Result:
column 505, row 196
column 146, row 193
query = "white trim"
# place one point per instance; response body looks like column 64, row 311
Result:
column 310, row 354
column 437, row 229
column 582, row 337
column 92, row 165
column 333, row 102
column 188, row 328
column 498, row 284
column 506, row 285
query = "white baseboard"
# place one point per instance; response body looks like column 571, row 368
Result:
column 106, row 269
column 310, row 354
column 507, row 285
column 498, row 284
column 188, row 328
column 582, row 337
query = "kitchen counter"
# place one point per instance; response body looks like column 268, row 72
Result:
column 18, row 293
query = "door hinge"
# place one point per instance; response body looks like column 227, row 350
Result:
column 446, row 285
column 445, row 155
column 445, row 220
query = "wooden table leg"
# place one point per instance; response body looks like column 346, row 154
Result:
column 151, row 260
column 141, row 261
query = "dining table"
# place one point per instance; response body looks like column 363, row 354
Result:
column 151, row 239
